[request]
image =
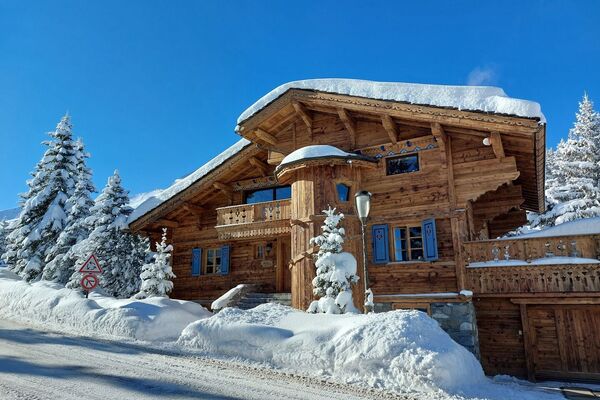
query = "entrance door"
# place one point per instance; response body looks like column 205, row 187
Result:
column 284, row 275
column 564, row 341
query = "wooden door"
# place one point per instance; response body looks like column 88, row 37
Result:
column 564, row 341
column 287, row 273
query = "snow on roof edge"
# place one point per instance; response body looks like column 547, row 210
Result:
column 467, row 98
column 181, row 184
column 317, row 151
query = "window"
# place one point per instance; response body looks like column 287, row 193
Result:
column 213, row 261
column 263, row 250
column 408, row 243
column 270, row 194
column 402, row 164
column 343, row 192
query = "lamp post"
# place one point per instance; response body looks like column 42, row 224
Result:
column 362, row 201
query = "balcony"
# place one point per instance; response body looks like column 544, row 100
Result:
column 258, row 220
column 560, row 264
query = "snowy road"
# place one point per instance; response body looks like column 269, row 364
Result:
column 36, row 365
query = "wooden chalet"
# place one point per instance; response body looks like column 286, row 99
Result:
column 445, row 181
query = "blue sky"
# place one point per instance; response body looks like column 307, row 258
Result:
column 155, row 87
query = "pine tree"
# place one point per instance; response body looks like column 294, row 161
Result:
column 336, row 270
column 44, row 213
column 573, row 181
column 61, row 258
column 3, row 238
column 157, row 275
column 119, row 252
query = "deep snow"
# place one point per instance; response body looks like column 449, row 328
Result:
column 474, row 98
column 585, row 226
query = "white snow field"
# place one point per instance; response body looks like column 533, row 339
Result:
column 400, row 353
column 472, row 98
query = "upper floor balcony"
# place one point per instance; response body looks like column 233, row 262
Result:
column 257, row 220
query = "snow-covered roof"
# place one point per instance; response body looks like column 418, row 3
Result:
column 469, row 98
column 586, row 226
column 317, row 151
column 160, row 196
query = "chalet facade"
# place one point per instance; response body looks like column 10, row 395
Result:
column 446, row 177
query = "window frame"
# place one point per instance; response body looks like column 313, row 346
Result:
column 273, row 190
column 395, row 157
column 216, row 267
column 408, row 249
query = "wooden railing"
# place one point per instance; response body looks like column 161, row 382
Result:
column 254, row 220
column 533, row 265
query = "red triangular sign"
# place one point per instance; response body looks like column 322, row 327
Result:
column 91, row 266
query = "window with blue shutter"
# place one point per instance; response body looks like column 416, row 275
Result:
column 225, row 251
column 196, row 261
column 429, row 239
column 399, row 244
column 381, row 249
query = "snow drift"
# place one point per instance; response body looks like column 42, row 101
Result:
column 61, row 309
column 404, row 351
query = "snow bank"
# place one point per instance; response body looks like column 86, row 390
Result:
column 586, row 226
column 57, row 308
column 471, row 98
column 160, row 196
column 405, row 351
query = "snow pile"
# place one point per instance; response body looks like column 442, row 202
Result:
column 404, row 351
column 54, row 307
column 160, row 196
column 473, row 98
column 586, row 226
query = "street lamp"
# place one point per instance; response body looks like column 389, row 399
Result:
column 362, row 201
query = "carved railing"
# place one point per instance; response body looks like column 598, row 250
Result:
column 254, row 220
column 560, row 264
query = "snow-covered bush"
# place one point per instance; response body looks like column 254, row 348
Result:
column 157, row 275
column 44, row 207
column 336, row 270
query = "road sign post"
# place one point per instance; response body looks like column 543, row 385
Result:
column 90, row 268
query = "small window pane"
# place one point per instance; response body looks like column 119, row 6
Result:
column 415, row 231
column 343, row 192
column 402, row 165
column 416, row 255
column 416, row 243
column 284, row 192
column 258, row 196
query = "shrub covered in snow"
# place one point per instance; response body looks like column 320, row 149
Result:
column 156, row 276
column 336, row 270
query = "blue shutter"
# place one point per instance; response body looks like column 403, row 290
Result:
column 196, row 261
column 225, row 259
column 429, row 239
column 398, row 244
column 381, row 249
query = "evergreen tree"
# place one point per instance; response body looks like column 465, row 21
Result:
column 336, row 270
column 3, row 235
column 157, row 275
column 573, row 172
column 44, row 213
column 61, row 257
column 120, row 253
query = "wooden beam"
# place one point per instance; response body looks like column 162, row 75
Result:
column 265, row 136
column 167, row 223
column 440, row 136
column 194, row 209
column 349, row 124
column 227, row 190
column 262, row 166
column 496, row 141
column 301, row 111
column 390, row 127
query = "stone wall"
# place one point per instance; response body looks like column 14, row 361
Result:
column 458, row 320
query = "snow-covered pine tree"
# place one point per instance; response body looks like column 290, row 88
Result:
column 336, row 270
column 61, row 257
column 43, row 214
column 573, row 174
column 118, row 251
column 3, row 234
column 157, row 275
